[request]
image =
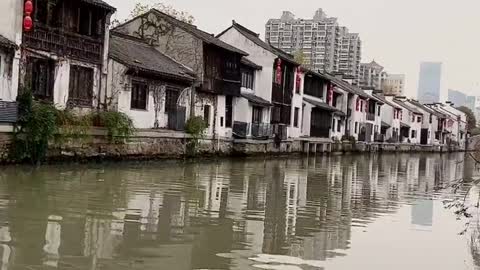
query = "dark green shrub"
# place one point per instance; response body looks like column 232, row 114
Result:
column 195, row 127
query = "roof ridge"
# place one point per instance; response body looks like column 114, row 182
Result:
column 235, row 24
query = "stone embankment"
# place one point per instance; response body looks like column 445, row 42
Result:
column 161, row 144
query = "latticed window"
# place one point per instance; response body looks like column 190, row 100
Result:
column 139, row 96
column 81, row 86
column 40, row 77
column 171, row 98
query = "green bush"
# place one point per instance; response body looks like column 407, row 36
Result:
column 39, row 123
column 118, row 125
column 72, row 125
column 36, row 126
column 195, row 127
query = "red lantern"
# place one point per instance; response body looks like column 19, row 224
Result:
column 27, row 23
column 330, row 95
column 278, row 77
column 298, row 80
column 28, row 8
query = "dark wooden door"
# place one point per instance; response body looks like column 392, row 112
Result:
column 177, row 118
column 321, row 123
column 424, row 136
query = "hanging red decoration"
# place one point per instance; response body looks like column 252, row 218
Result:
column 358, row 105
column 330, row 94
column 298, row 80
column 278, row 77
column 27, row 23
column 28, row 8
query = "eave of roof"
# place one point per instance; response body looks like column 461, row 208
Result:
column 6, row 43
column 323, row 105
column 101, row 3
column 256, row 99
column 254, row 37
column 402, row 104
column 245, row 61
column 138, row 56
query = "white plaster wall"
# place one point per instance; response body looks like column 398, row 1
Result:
column 200, row 101
column 306, row 121
column 359, row 117
column 140, row 118
column 334, row 133
column 222, row 130
column 11, row 19
column 6, row 77
column 61, row 84
column 297, row 102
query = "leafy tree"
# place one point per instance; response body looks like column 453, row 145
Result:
column 471, row 120
column 299, row 57
column 141, row 8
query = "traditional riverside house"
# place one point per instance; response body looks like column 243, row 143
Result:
column 254, row 106
column 151, row 88
column 410, row 122
column 323, row 107
column 443, row 130
column 216, row 63
column 64, row 56
column 458, row 123
column 353, row 106
column 373, row 110
column 390, row 119
column 279, row 82
column 462, row 123
column 430, row 124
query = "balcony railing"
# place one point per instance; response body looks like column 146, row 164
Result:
column 370, row 116
column 261, row 130
column 64, row 43
column 257, row 131
column 222, row 86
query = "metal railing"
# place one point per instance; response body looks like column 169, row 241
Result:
column 245, row 130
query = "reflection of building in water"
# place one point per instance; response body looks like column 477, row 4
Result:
column 422, row 213
column 5, row 249
column 102, row 237
column 53, row 239
column 144, row 207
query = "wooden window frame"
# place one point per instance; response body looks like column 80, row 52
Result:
column 136, row 103
column 81, row 84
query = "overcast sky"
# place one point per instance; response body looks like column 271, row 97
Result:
column 398, row 34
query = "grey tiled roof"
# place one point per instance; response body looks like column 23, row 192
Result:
column 136, row 54
column 256, row 99
column 8, row 112
column 100, row 3
column 254, row 37
column 251, row 64
column 425, row 108
column 347, row 86
column 387, row 102
column 324, row 106
column 6, row 43
column 410, row 108
column 193, row 30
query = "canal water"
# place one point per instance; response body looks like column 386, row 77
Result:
column 371, row 212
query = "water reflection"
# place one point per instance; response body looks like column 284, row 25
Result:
column 304, row 213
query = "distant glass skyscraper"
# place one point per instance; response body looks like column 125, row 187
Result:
column 429, row 82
